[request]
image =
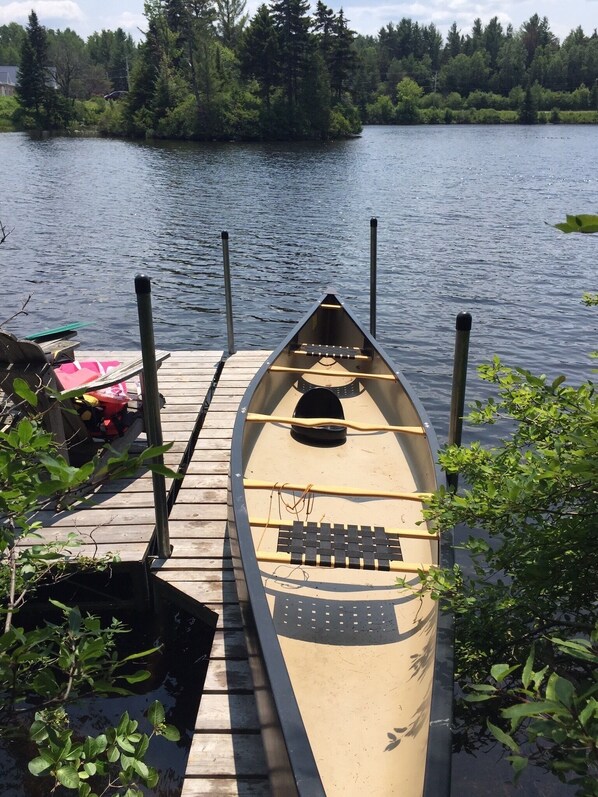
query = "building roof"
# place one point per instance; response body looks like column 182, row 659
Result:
column 8, row 74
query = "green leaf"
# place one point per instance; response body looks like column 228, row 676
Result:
column 38, row 731
column 478, row 698
column 526, row 675
column 532, row 709
column 578, row 648
column 560, row 689
column 503, row 737
column 39, row 766
column 586, row 220
column 68, row 777
column 588, row 712
column 156, row 714
column 143, row 746
column 500, row 671
column 22, row 389
column 142, row 654
column 141, row 768
column 154, row 777
column 25, row 430
column 140, row 675
column 126, row 761
column 125, row 744
column 564, row 227
column 519, row 763
column 171, row 733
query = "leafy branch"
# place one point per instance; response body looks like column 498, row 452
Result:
column 556, row 715
column 584, row 223
column 43, row 671
column 533, row 503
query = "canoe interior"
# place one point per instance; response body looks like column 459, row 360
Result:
column 359, row 652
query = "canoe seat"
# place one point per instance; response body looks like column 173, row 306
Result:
column 338, row 352
column 319, row 402
column 359, row 547
column 350, row 390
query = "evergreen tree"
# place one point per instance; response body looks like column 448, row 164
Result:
column 493, row 36
column 454, row 42
column 528, row 110
column 342, row 59
column 115, row 52
column 315, row 99
column 292, row 23
column 433, row 45
column 138, row 113
column 259, row 53
column 323, row 25
column 536, row 33
column 122, row 53
column 231, row 19
column 32, row 88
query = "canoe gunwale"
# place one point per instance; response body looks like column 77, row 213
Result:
column 304, row 771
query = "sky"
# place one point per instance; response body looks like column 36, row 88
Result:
column 87, row 16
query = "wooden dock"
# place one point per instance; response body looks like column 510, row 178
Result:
column 119, row 517
column 226, row 756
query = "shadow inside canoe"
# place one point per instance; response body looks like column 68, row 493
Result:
column 343, row 621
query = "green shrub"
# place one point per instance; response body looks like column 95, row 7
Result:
column 8, row 106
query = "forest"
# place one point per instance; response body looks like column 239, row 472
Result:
column 206, row 70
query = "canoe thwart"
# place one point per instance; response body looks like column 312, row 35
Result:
column 326, row 489
column 417, row 534
column 285, row 558
column 328, row 372
column 336, row 352
column 256, row 417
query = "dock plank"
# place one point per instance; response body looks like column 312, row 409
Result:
column 226, row 756
column 239, row 755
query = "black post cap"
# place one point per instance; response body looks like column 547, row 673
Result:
column 373, row 222
column 463, row 322
column 143, row 284
column 224, row 235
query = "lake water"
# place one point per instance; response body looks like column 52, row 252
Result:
column 462, row 215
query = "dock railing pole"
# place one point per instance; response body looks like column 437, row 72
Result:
column 228, row 294
column 151, row 407
column 463, row 329
column 373, row 273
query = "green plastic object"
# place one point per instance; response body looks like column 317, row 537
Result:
column 66, row 331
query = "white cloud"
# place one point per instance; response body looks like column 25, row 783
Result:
column 128, row 20
column 65, row 10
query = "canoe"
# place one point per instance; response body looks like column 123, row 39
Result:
column 332, row 459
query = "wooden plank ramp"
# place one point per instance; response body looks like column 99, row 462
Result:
column 226, row 756
column 119, row 517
